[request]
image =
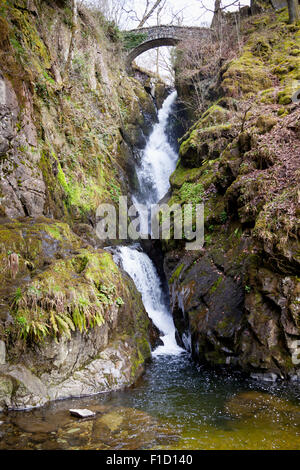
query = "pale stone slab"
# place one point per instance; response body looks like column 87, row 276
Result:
column 82, row 413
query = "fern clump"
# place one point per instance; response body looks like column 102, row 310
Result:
column 69, row 296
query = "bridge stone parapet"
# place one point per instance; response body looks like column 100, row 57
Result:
column 157, row 36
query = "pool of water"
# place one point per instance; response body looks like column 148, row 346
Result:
column 174, row 405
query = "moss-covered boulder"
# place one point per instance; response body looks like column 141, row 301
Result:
column 207, row 138
column 72, row 322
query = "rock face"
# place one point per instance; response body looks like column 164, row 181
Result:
column 236, row 302
column 68, row 127
column 23, row 188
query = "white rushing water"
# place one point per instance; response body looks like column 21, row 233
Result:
column 158, row 159
column 141, row 269
column 157, row 163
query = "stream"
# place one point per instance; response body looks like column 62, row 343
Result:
column 175, row 404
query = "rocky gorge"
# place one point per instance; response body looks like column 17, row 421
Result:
column 72, row 322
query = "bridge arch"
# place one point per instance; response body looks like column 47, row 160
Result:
column 147, row 45
column 158, row 36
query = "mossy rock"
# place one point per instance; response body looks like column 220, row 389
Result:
column 265, row 123
column 202, row 144
column 184, row 175
column 246, row 75
column 285, row 96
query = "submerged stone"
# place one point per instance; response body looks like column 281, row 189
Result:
column 250, row 404
column 112, row 420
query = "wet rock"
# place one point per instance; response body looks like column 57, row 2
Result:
column 90, row 359
column 265, row 377
column 78, row 436
column 116, row 368
column 82, row 413
column 34, row 421
column 6, row 389
column 22, row 389
column 22, row 184
column 155, row 334
column 208, row 304
column 88, row 234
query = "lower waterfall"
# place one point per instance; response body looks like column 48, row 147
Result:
column 143, row 272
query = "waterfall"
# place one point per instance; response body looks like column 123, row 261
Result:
column 158, row 159
column 141, row 269
column 157, row 163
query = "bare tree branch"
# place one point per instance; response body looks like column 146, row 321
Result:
column 149, row 13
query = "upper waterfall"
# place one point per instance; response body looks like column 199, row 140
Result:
column 158, row 160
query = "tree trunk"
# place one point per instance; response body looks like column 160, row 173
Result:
column 72, row 40
column 216, row 24
column 294, row 14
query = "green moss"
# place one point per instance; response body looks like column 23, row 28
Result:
column 176, row 273
column 132, row 40
column 216, row 285
column 282, row 112
column 191, row 193
column 203, row 143
column 214, row 115
column 268, row 96
column 285, row 96
column 184, row 175
column 265, row 123
column 246, row 75
column 62, row 179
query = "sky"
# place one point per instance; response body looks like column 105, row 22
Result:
column 193, row 12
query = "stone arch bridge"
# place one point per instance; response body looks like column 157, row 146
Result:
column 141, row 40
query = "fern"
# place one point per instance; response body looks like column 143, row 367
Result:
column 53, row 323
column 63, row 326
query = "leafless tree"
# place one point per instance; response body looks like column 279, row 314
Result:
column 200, row 60
column 150, row 10
column 125, row 12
